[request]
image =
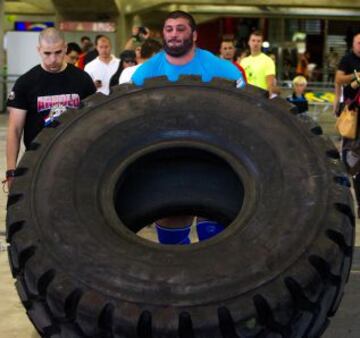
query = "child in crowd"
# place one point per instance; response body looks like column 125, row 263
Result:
column 298, row 98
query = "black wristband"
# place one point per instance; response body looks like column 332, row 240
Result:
column 10, row 173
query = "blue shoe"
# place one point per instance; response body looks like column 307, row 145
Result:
column 178, row 236
column 207, row 229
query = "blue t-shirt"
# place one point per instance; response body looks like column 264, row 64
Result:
column 204, row 63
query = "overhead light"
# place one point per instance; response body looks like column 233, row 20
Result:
column 264, row 10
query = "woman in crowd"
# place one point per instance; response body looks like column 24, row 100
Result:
column 127, row 59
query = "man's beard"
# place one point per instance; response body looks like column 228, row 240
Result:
column 179, row 50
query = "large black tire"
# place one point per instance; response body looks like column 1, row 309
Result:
column 89, row 184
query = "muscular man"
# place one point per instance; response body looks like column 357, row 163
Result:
column 259, row 68
column 42, row 94
column 348, row 76
column 181, row 57
column 104, row 66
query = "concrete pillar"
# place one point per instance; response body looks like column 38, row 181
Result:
column 58, row 19
column 276, row 37
column 280, row 58
column 2, row 56
column 123, row 27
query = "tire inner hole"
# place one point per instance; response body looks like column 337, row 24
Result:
column 177, row 188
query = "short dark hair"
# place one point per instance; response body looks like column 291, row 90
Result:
column 356, row 33
column 73, row 46
column 127, row 55
column 227, row 41
column 257, row 33
column 182, row 14
column 83, row 38
column 150, row 47
column 98, row 37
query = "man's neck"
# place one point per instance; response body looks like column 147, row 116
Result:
column 256, row 53
column 356, row 54
column 105, row 59
column 182, row 60
column 64, row 65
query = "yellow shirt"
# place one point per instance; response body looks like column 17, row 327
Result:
column 257, row 68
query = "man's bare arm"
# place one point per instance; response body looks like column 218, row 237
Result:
column 344, row 79
column 337, row 91
column 271, row 85
column 15, row 129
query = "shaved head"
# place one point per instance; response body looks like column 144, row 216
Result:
column 52, row 49
column 103, row 46
column 102, row 39
column 51, row 35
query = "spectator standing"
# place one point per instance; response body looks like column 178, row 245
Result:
column 138, row 36
column 92, row 53
column 181, row 57
column 86, row 47
column 73, row 53
column 149, row 48
column 228, row 51
column 86, row 44
column 302, row 64
column 298, row 98
column 349, row 64
column 259, row 68
column 104, row 66
column 348, row 76
column 127, row 59
column 42, row 94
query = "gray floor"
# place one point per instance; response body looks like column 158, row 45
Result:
column 15, row 324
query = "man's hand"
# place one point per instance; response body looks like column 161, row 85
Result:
column 135, row 31
column 272, row 87
column 9, row 178
column 98, row 84
column 140, row 33
column 146, row 33
column 345, row 79
column 6, row 183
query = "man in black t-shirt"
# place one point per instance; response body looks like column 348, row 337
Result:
column 348, row 76
column 42, row 94
column 349, row 64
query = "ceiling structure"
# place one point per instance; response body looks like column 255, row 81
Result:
column 33, row 7
column 151, row 13
column 108, row 9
